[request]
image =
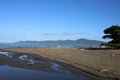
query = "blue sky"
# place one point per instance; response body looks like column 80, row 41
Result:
column 56, row 19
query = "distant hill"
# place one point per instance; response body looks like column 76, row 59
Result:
column 54, row 43
column 79, row 41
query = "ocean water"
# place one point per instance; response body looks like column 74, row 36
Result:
column 7, row 45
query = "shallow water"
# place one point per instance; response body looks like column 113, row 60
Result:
column 6, row 54
column 25, row 67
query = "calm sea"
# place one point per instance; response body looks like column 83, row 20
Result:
column 5, row 45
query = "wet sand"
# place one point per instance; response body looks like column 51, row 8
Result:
column 20, row 66
column 103, row 64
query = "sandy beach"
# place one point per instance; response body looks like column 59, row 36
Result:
column 99, row 63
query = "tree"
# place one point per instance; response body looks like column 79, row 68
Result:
column 113, row 33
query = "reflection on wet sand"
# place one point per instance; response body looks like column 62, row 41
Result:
column 31, row 67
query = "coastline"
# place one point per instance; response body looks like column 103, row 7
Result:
column 100, row 63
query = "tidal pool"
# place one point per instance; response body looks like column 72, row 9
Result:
column 26, row 67
column 8, row 54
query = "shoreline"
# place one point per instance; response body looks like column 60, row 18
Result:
column 63, row 55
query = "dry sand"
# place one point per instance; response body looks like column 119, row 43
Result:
column 101, row 63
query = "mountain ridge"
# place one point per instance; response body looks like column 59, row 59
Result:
column 81, row 40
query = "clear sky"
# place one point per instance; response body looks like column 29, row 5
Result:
column 56, row 19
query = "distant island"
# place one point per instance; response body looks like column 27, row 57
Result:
column 81, row 41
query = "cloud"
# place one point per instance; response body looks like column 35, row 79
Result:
column 67, row 33
column 62, row 34
column 71, row 33
column 48, row 34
